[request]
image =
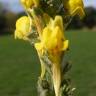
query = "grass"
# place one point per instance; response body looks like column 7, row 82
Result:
column 20, row 68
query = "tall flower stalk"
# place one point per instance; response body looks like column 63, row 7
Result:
column 44, row 28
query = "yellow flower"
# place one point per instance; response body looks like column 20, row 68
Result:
column 54, row 42
column 22, row 28
column 53, row 36
column 75, row 7
column 30, row 3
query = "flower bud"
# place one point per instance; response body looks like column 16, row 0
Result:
column 30, row 3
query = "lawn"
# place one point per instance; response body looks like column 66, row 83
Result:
column 20, row 68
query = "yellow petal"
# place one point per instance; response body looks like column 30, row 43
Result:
column 46, row 37
column 56, row 78
column 59, row 36
column 18, row 35
column 30, row 3
column 58, row 22
column 27, row 3
column 79, row 11
column 65, row 45
column 75, row 7
column 38, row 46
column 22, row 27
column 23, row 24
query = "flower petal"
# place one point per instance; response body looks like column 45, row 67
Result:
column 22, row 27
column 65, row 45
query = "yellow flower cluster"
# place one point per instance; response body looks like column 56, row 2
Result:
column 54, row 42
column 74, row 7
column 52, row 38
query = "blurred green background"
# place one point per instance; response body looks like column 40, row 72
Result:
column 19, row 63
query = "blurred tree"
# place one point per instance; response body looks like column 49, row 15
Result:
column 2, row 20
column 76, row 23
column 10, row 20
column 7, row 20
column 2, row 23
column 90, row 18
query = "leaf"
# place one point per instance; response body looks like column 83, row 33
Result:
column 44, row 88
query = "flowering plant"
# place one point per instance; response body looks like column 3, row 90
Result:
column 44, row 28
